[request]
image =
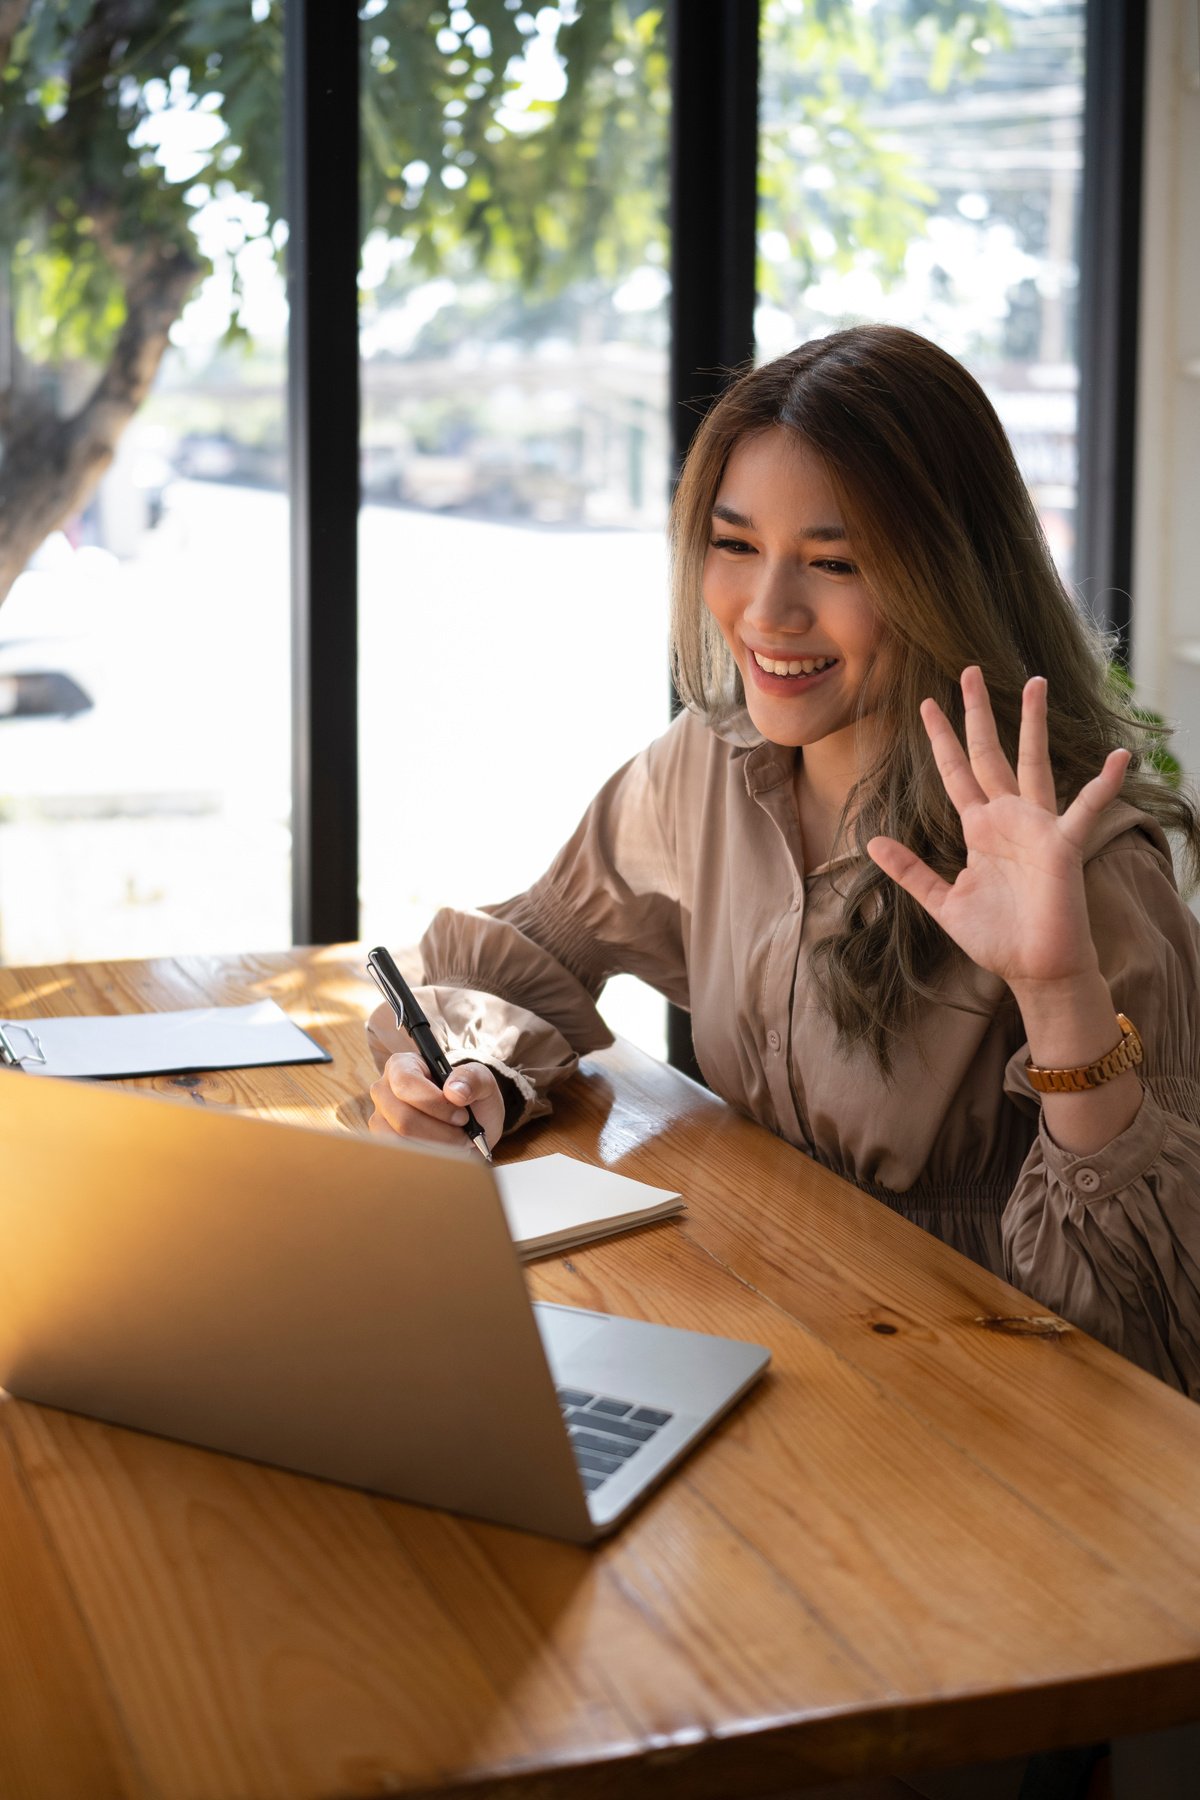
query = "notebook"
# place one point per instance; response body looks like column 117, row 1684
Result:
column 552, row 1203
column 331, row 1304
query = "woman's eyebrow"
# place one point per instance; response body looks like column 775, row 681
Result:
column 820, row 534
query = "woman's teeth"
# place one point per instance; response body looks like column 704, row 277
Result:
column 807, row 665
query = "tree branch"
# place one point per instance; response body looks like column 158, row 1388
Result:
column 51, row 466
column 12, row 17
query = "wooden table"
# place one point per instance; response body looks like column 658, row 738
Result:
column 944, row 1528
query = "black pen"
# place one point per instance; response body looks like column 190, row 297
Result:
column 382, row 969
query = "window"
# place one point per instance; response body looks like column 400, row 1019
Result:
column 144, row 649
column 916, row 161
column 514, row 455
column 923, row 166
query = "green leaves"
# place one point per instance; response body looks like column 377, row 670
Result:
column 87, row 188
column 834, row 186
column 1153, row 724
column 530, row 150
column 524, row 145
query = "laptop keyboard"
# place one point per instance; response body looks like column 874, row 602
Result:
column 605, row 1432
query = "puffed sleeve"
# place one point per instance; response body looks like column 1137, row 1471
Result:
column 515, row 985
column 1111, row 1240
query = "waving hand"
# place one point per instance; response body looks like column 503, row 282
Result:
column 1017, row 908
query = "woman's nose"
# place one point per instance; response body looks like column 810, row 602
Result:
column 777, row 599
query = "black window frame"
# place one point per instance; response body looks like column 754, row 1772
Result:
column 1109, row 280
column 321, row 118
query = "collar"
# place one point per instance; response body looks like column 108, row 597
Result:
column 734, row 728
column 766, row 765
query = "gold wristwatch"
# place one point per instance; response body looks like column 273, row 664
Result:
column 1125, row 1055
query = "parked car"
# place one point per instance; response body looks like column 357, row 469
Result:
column 45, row 624
column 41, row 694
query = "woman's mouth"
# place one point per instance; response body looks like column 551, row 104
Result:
column 787, row 674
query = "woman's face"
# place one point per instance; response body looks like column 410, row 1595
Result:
column 781, row 582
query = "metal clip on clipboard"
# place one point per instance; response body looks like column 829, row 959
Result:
column 8, row 1055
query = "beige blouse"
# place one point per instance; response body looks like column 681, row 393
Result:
column 688, row 870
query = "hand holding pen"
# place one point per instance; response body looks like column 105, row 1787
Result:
column 397, row 1096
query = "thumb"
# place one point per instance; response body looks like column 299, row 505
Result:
column 468, row 1083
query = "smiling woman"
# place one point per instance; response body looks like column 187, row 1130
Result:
column 950, row 551
column 796, row 617
column 796, row 611
column 918, row 959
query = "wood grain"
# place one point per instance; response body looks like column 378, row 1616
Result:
column 1049, row 1398
column 926, row 1538
column 60, row 1734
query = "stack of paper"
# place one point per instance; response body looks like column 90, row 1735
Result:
column 553, row 1203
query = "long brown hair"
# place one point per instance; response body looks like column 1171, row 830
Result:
column 955, row 559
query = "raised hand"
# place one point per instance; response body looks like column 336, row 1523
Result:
column 1018, row 907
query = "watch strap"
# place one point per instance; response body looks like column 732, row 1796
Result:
column 1126, row 1054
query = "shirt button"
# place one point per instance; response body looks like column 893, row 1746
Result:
column 773, row 1040
column 797, row 902
column 1087, row 1180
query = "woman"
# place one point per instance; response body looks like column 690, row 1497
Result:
column 885, row 939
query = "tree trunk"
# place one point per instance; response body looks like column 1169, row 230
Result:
column 12, row 17
column 51, row 465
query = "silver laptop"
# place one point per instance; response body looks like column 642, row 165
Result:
column 331, row 1304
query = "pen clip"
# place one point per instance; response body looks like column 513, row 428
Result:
column 388, row 991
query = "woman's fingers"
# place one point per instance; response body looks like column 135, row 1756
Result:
column 957, row 776
column 1093, row 797
column 989, row 765
column 408, row 1104
column 471, row 1084
column 413, row 1126
column 982, row 771
column 408, row 1080
column 1034, row 775
column 909, row 872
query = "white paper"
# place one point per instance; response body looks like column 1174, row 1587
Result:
column 162, row 1043
column 555, row 1200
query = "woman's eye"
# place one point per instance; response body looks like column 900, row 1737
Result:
column 735, row 544
column 835, row 566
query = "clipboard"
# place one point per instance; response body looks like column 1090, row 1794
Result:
column 188, row 1042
